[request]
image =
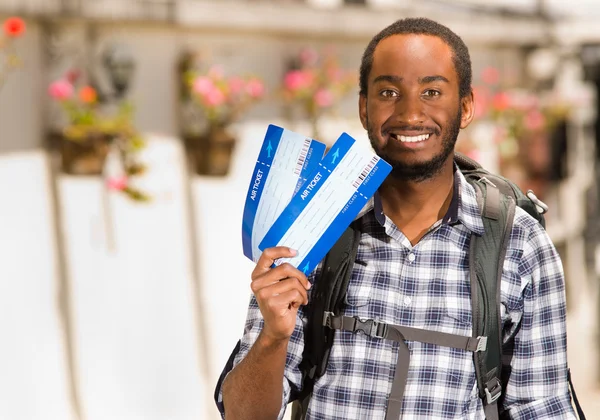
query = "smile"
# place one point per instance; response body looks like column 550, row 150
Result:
column 410, row 139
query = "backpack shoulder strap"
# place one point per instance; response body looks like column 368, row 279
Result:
column 486, row 257
column 328, row 296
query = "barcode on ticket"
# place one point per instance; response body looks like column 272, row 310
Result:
column 365, row 171
column 302, row 157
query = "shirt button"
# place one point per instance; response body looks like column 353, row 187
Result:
column 407, row 301
column 411, row 257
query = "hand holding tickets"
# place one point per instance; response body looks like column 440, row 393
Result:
column 312, row 217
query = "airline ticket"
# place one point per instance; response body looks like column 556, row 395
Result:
column 284, row 161
column 326, row 203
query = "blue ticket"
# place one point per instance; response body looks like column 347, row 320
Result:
column 327, row 203
column 284, row 161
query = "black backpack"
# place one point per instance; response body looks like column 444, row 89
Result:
column 497, row 198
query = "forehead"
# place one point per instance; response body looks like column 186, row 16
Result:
column 413, row 55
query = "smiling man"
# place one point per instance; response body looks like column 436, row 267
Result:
column 412, row 270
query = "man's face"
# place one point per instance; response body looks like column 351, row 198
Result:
column 413, row 111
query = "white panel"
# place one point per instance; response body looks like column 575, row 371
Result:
column 135, row 325
column 33, row 362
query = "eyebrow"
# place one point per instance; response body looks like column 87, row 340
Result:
column 430, row 79
column 398, row 79
column 388, row 78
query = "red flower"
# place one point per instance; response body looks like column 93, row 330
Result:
column 72, row 76
column 501, row 101
column 14, row 27
column 88, row 95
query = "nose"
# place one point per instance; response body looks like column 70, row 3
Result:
column 409, row 110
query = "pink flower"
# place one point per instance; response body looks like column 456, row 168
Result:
column 501, row 101
column 255, row 88
column 323, row 98
column 490, row 75
column 309, row 56
column 236, row 85
column 482, row 101
column 214, row 98
column 203, row 85
column 297, row 80
column 61, row 90
column 117, row 183
column 534, row 120
column 524, row 101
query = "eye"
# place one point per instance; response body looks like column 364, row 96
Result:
column 432, row 93
column 388, row 93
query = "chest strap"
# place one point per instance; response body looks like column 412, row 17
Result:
column 402, row 334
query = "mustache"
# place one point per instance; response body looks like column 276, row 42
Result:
column 418, row 128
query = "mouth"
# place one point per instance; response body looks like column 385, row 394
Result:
column 410, row 139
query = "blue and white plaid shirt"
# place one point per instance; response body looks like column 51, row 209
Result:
column 427, row 286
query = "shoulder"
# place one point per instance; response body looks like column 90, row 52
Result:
column 531, row 241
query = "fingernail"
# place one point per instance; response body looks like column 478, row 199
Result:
column 309, row 286
column 293, row 252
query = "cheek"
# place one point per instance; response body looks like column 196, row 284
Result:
column 444, row 116
column 378, row 113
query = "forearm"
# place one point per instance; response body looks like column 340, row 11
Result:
column 254, row 388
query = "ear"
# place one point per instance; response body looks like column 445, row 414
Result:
column 362, row 110
column 467, row 105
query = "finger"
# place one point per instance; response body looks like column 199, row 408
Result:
column 277, row 274
column 292, row 299
column 282, row 288
column 268, row 257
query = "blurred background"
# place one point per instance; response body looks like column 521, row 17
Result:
column 128, row 133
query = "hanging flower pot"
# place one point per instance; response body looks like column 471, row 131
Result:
column 85, row 156
column 86, row 140
column 211, row 151
column 217, row 102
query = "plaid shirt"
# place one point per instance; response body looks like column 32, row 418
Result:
column 427, row 286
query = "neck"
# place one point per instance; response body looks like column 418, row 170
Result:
column 415, row 206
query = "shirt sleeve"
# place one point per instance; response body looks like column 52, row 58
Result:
column 292, row 381
column 536, row 358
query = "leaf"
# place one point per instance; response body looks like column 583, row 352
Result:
column 136, row 194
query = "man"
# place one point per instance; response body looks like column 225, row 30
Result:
column 412, row 267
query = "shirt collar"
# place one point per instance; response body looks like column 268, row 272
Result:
column 463, row 206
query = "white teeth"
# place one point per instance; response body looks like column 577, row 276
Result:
column 412, row 139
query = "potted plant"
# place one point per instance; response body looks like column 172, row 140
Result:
column 91, row 132
column 12, row 28
column 216, row 102
column 524, row 121
column 315, row 83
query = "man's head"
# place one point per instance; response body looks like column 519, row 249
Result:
column 415, row 95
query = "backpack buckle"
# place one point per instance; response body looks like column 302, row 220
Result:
column 496, row 390
column 481, row 343
column 370, row 327
column 327, row 317
column 540, row 206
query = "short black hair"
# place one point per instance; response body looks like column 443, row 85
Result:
column 424, row 26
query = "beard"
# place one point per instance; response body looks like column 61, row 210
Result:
column 420, row 171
